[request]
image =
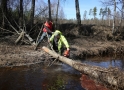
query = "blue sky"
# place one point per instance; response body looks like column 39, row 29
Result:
column 69, row 7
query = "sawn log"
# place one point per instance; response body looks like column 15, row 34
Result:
column 109, row 76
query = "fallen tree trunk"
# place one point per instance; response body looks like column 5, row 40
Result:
column 30, row 39
column 108, row 76
column 24, row 34
column 19, row 38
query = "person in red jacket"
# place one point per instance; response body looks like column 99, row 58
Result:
column 47, row 30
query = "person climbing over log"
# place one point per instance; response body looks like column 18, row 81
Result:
column 60, row 43
column 47, row 31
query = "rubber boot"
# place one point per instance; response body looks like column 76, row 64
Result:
column 37, row 45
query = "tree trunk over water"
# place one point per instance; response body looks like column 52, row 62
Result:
column 108, row 76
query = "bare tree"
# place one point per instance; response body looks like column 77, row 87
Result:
column 122, row 14
column 49, row 4
column 85, row 15
column 112, row 3
column 100, row 13
column 113, row 28
column 77, row 12
column 4, row 10
column 57, row 14
column 94, row 12
column 21, row 14
column 32, row 13
column 90, row 13
column 104, row 14
column 109, row 15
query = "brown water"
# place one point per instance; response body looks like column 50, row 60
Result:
column 39, row 77
column 55, row 77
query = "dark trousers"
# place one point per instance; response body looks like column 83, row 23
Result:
column 55, row 47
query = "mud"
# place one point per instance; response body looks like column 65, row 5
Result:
column 90, row 42
column 81, row 46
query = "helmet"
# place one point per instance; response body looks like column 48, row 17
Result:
column 57, row 35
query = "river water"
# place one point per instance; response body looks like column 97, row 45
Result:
column 55, row 77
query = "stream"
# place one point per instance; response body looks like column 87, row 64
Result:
column 55, row 77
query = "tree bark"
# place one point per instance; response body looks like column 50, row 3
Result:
column 108, row 76
column 4, row 10
column 113, row 28
column 122, row 14
column 24, row 34
column 56, row 25
column 49, row 4
column 21, row 14
column 19, row 38
column 32, row 13
column 78, row 12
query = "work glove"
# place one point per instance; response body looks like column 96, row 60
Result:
column 67, row 53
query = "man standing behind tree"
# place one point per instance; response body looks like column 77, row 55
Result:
column 47, row 30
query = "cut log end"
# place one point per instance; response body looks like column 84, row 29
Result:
column 45, row 49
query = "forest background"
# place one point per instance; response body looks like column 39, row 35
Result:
column 27, row 13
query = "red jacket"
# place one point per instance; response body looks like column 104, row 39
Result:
column 49, row 25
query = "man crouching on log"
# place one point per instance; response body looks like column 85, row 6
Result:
column 60, row 44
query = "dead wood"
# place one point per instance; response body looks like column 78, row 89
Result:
column 20, row 36
column 108, row 76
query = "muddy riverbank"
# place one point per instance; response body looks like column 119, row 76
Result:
column 81, row 48
column 100, row 43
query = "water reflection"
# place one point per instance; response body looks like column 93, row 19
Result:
column 39, row 77
column 106, row 62
column 55, row 77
